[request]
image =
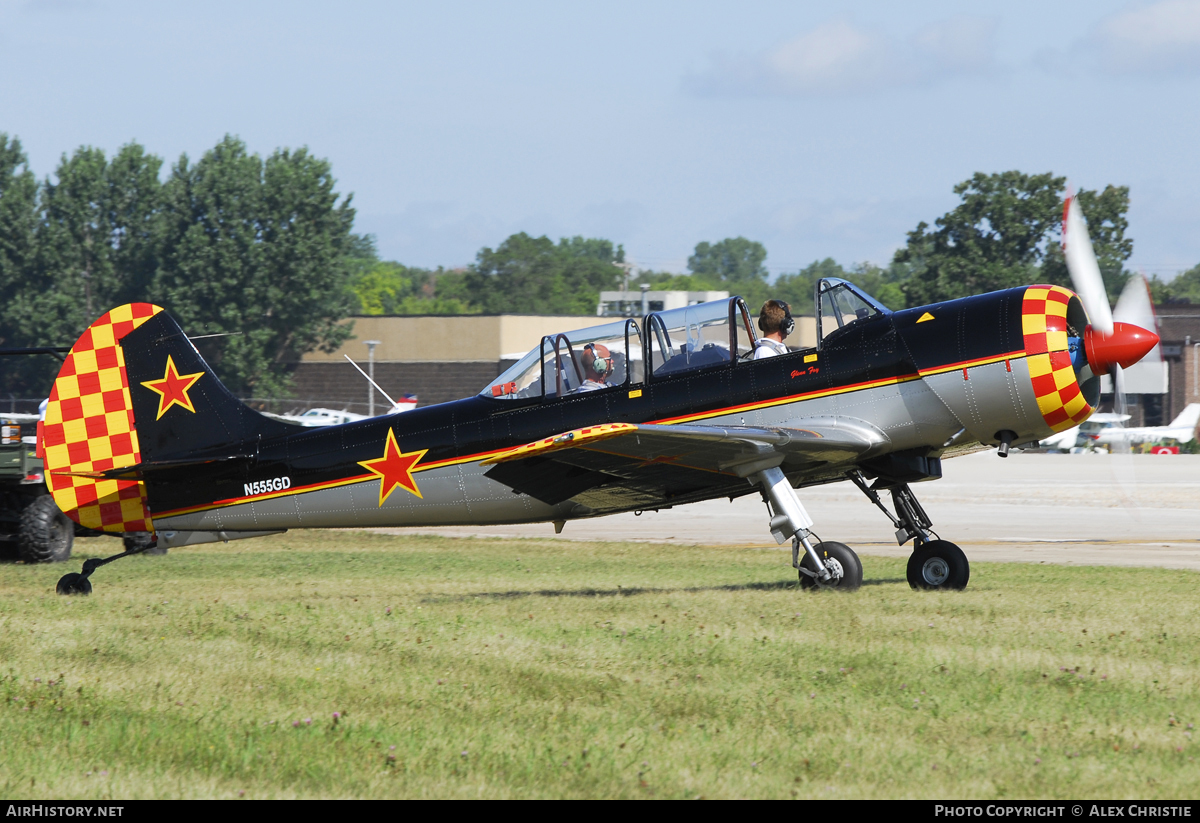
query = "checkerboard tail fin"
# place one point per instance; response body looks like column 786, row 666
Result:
column 89, row 427
column 135, row 392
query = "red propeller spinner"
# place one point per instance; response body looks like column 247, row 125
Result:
column 1125, row 346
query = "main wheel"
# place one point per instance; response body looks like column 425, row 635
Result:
column 938, row 564
column 46, row 534
column 842, row 563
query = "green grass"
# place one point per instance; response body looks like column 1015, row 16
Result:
column 538, row 668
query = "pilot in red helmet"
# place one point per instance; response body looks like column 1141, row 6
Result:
column 597, row 367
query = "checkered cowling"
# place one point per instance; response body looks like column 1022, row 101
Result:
column 89, row 427
column 1044, row 324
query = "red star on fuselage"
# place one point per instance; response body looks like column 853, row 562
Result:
column 394, row 468
column 173, row 389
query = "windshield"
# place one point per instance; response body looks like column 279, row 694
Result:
column 599, row 357
column 697, row 336
column 840, row 303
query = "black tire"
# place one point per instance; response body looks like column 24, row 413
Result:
column 46, row 534
column 938, row 564
column 143, row 543
column 843, row 558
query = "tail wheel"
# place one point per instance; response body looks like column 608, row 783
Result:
column 842, row 563
column 46, row 534
column 938, row 564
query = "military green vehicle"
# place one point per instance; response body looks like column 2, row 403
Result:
column 36, row 531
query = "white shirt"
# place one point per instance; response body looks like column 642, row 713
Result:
column 592, row 385
column 766, row 347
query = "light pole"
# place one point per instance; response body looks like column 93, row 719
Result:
column 371, row 344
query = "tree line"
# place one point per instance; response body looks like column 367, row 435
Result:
column 1005, row 231
column 260, row 255
column 254, row 252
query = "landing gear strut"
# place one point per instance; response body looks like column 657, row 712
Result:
column 78, row 583
column 934, row 563
column 824, row 565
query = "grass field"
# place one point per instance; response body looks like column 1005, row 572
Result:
column 350, row 664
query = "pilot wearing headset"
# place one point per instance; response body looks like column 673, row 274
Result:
column 775, row 321
column 597, row 367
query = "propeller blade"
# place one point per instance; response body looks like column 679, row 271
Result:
column 1085, row 271
column 1135, row 307
column 1120, row 405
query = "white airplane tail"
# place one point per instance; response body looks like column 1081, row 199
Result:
column 1188, row 418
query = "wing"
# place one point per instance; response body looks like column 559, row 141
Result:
column 619, row 466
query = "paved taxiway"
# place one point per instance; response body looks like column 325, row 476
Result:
column 1082, row 509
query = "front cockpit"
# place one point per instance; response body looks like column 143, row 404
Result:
column 841, row 303
column 629, row 353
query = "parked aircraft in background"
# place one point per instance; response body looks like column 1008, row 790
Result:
column 332, row 417
column 1108, row 429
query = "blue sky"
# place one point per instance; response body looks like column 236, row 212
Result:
column 823, row 130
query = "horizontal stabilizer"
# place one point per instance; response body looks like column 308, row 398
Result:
column 139, row 471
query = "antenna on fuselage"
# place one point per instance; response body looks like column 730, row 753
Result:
column 372, row 382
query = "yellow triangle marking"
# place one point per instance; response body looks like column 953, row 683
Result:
column 924, row 317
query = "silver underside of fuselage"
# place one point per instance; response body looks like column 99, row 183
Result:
column 921, row 413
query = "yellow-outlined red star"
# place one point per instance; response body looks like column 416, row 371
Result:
column 173, row 389
column 395, row 468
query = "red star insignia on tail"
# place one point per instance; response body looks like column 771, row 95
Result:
column 395, row 468
column 173, row 389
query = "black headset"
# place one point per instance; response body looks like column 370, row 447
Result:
column 600, row 365
column 788, row 325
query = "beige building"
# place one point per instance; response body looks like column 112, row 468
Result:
column 456, row 338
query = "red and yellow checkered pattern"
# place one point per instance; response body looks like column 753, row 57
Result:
column 1044, row 324
column 89, row 428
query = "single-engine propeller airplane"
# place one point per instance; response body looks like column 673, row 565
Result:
column 140, row 435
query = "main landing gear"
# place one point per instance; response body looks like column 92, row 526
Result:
column 934, row 563
column 78, row 582
column 823, row 565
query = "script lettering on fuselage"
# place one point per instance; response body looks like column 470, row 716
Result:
column 275, row 484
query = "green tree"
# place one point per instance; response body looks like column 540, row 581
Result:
column 733, row 260
column 98, row 239
column 1006, row 232
column 1185, row 288
column 532, row 274
column 390, row 288
column 259, row 251
column 19, row 325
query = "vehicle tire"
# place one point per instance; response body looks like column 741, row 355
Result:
column 842, row 560
column 938, row 564
column 46, row 534
column 143, row 543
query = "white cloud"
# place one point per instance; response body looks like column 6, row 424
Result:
column 1161, row 38
column 838, row 57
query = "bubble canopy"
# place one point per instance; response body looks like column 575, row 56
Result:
column 705, row 335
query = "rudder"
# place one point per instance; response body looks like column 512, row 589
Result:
column 89, row 428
